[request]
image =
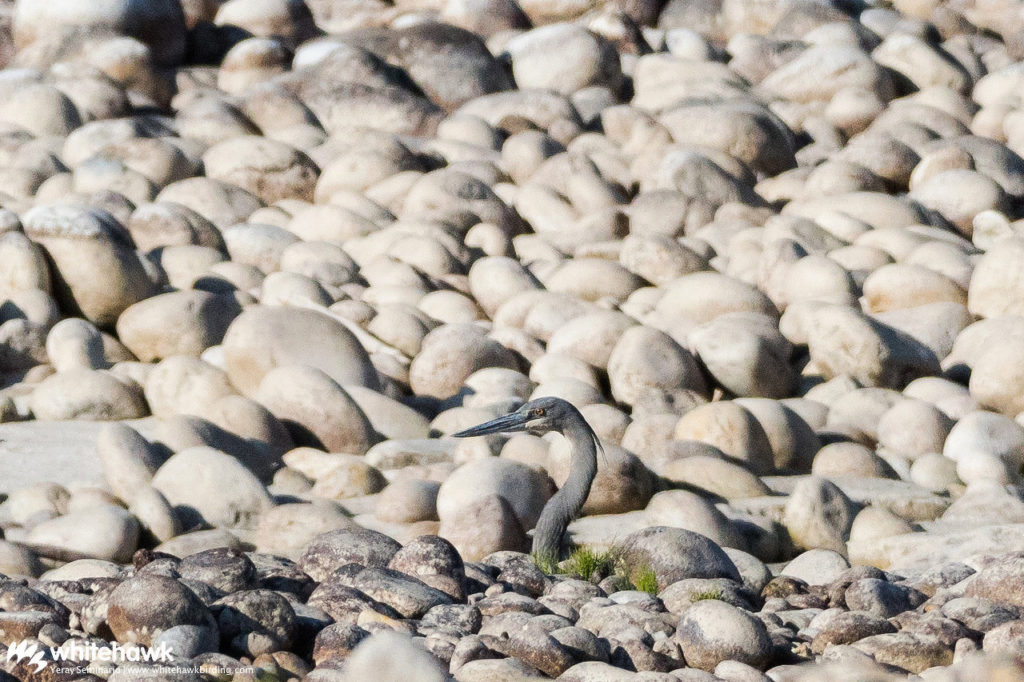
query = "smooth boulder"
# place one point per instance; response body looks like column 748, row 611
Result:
column 262, row 338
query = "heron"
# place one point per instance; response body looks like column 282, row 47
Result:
column 541, row 416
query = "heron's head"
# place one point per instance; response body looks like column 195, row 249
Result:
column 538, row 416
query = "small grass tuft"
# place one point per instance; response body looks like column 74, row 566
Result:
column 548, row 563
column 704, row 595
column 590, row 564
column 646, row 580
column 594, row 565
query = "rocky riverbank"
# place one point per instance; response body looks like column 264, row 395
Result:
column 259, row 258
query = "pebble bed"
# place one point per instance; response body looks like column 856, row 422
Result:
column 259, row 258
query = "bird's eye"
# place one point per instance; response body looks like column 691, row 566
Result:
column 538, row 412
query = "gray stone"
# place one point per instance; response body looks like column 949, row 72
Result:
column 145, row 605
column 818, row 515
column 712, row 631
column 674, row 554
column 835, row 626
column 336, row 548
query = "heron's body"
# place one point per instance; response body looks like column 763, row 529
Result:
column 554, row 414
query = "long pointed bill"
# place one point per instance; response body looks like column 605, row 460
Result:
column 508, row 423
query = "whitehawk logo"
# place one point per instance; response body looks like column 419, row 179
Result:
column 78, row 652
column 25, row 649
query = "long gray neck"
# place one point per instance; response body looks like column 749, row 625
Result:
column 549, row 536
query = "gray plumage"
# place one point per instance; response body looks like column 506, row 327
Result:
column 554, row 414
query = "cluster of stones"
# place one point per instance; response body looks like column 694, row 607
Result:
column 357, row 605
column 771, row 250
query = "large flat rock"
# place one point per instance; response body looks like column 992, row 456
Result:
column 58, row 452
column 940, row 544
